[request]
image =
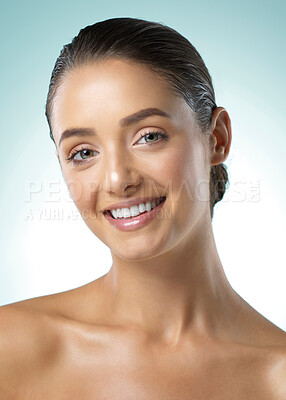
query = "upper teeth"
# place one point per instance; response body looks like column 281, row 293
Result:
column 135, row 210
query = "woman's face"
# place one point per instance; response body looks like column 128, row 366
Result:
column 118, row 158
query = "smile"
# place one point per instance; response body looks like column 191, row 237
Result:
column 136, row 216
column 136, row 209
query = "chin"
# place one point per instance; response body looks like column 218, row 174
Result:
column 137, row 253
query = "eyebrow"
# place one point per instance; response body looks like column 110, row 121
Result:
column 127, row 121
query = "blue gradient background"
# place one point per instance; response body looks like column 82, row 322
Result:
column 243, row 45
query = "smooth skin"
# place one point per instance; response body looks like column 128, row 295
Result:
column 164, row 323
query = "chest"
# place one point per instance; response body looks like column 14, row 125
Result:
column 118, row 377
column 126, row 370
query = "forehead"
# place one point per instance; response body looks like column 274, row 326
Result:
column 111, row 89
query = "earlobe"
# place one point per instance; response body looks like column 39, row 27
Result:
column 221, row 136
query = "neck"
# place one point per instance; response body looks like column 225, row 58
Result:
column 179, row 292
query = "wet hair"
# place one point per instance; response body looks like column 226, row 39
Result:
column 164, row 51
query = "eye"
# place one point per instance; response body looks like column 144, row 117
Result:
column 79, row 156
column 85, row 153
column 152, row 136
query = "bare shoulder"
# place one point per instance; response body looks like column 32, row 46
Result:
column 277, row 371
column 273, row 349
column 28, row 342
column 37, row 339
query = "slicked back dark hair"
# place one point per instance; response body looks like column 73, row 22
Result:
column 164, row 51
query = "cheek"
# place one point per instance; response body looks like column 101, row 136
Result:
column 186, row 171
column 183, row 170
column 84, row 191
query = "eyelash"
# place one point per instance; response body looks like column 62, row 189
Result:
column 163, row 135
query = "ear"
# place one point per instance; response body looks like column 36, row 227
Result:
column 221, row 136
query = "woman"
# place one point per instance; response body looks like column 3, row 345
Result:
column 141, row 145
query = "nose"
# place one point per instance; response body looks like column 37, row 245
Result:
column 121, row 176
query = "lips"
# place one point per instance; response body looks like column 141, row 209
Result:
column 138, row 222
